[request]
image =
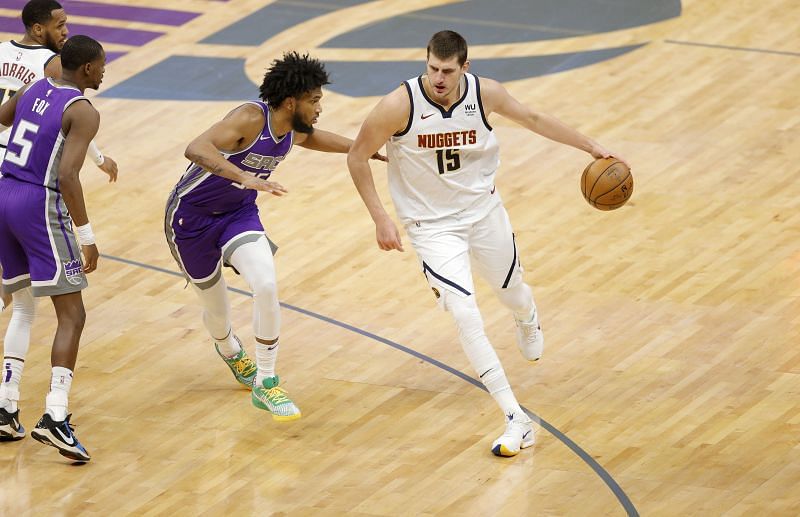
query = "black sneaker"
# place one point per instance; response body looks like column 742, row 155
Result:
column 60, row 436
column 10, row 426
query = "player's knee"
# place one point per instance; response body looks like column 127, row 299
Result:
column 24, row 306
column 265, row 289
column 465, row 313
column 73, row 317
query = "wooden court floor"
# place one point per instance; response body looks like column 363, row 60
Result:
column 670, row 383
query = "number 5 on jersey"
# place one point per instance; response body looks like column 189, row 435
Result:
column 449, row 160
column 19, row 138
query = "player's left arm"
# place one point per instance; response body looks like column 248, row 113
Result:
column 104, row 162
column 495, row 98
column 80, row 123
column 325, row 141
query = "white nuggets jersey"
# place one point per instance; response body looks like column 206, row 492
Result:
column 19, row 65
column 444, row 161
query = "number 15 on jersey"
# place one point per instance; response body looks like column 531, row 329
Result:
column 448, row 160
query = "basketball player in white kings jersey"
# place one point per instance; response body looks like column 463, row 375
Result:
column 443, row 156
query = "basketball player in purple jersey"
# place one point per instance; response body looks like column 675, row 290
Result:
column 40, row 198
column 212, row 219
column 24, row 61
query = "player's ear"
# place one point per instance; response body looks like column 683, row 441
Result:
column 465, row 66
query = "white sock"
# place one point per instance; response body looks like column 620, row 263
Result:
column 12, row 375
column 266, row 357
column 228, row 346
column 56, row 402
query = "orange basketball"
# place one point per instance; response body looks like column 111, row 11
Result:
column 607, row 183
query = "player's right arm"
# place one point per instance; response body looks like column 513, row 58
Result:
column 8, row 108
column 80, row 123
column 231, row 134
column 390, row 116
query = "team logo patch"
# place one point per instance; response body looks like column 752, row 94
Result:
column 436, row 293
column 73, row 270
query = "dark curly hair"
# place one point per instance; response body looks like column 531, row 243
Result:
column 292, row 76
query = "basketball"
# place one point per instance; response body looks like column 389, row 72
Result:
column 607, row 183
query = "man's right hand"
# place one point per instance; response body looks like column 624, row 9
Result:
column 274, row 188
column 90, row 256
column 387, row 235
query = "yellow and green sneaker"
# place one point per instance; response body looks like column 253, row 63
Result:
column 243, row 368
column 273, row 398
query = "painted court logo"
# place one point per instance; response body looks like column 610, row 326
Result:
column 483, row 22
column 73, row 271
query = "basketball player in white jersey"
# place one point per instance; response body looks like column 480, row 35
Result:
column 443, row 156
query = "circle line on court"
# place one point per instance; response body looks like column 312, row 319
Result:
column 618, row 492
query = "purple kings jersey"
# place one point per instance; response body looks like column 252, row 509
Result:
column 215, row 194
column 36, row 141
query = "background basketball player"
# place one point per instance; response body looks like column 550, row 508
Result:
column 40, row 197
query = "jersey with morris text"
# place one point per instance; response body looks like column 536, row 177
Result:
column 19, row 65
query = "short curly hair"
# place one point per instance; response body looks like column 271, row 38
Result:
column 292, row 76
column 38, row 11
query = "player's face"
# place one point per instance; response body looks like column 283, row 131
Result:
column 444, row 76
column 53, row 34
column 96, row 70
column 307, row 110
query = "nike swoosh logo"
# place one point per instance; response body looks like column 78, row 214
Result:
column 487, row 371
column 525, row 435
column 262, row 137
column 493, row 189
column 423, row 117
column 68, row 441
column 272, row 347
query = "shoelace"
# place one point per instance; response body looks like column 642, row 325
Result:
column 277, row 395
column 243, row 365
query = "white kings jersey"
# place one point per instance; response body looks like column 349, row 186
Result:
column 19, row 65
column 444, row 161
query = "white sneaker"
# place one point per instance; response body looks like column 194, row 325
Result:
column 530, row 338
column 519, row 435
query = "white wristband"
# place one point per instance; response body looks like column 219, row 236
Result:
column 85, row 234
column 95, row 154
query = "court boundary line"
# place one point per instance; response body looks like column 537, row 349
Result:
column 618, row 492
column 730, row 47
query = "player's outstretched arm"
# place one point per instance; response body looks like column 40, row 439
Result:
column 326, row 141
column 387, row 118
column 496, row 98
column 231, row 134
column 79, row 123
